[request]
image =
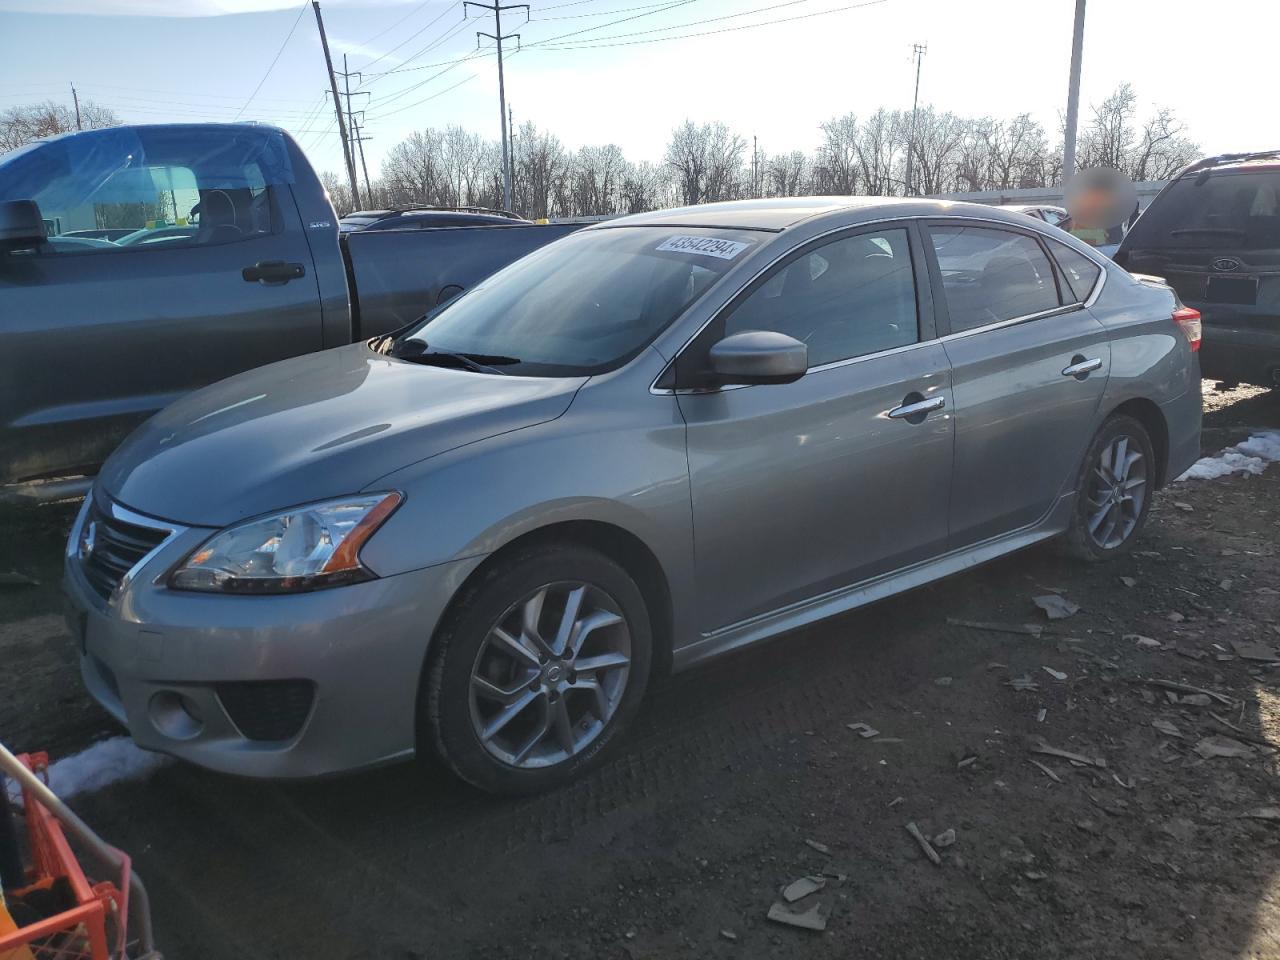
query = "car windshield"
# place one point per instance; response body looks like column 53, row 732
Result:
column 1228, row 209
column 589, row 302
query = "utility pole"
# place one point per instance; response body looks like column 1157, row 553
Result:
column 358, row 136
column 496, row 8
column 76, row 97
column 1073, row 96
column 918, row 51
column 356, row 139
column 755, row 166
column 337, row 108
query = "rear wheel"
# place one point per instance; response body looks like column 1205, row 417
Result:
column 538, row 669
column 1113, row 492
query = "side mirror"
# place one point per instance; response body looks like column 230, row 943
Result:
column 20, row 224
column 759, row 356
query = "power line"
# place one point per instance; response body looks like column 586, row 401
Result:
column 437, row 42
column 600, row 42
column 417, row 103
column 654, row 8
column 614, row 23
column 598, row 13
column 392, row 98
column 396, row 24
column 434, row 20
column 450, row 64
column 276, row 59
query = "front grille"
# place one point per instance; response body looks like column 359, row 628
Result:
column 267, row 709
column 117, row 547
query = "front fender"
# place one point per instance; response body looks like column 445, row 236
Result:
column 625, row 466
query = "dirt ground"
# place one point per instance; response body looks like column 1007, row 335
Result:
column 678, row 846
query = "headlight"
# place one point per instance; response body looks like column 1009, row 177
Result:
column 305, row 548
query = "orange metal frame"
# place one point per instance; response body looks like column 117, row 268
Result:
column 52, row 858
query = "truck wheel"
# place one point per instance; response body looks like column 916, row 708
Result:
column 537, row 669
column 1113, row 492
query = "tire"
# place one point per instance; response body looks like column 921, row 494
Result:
column 1090, row 538
column 501, row 664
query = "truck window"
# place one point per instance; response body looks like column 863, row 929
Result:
column 149, row 189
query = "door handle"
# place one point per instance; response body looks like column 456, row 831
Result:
column 914, row 411
column 273, row 271
column 1080, row 367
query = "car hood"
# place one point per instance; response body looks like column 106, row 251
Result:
column 312, row 428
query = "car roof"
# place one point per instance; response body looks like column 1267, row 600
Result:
column 778, row 213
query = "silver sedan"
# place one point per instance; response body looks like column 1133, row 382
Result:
column 645, row 445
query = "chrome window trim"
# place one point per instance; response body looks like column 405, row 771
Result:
column 1012, row 322
column 1100, row 262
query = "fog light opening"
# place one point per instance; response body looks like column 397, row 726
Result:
column 175, row 715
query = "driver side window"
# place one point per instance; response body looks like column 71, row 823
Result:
column 846, row 298
column 114, row 191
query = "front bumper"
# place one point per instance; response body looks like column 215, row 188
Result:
column 160, row 661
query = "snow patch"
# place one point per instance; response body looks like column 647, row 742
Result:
column 104, row 763
column 1251, row 456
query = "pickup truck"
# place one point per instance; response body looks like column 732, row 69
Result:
column 233, row 260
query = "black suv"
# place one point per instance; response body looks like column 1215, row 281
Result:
column 419, row 218
column 1214, row 235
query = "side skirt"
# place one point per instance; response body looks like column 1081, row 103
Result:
column 746, row 632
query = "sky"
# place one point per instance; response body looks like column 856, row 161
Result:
column 773, row 69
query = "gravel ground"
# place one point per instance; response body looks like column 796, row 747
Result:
column 679, row 845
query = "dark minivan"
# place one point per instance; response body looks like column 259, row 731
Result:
column 1214, row 234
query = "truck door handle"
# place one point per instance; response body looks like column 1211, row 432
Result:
column 1080, row 367
column 273, row 271
column 915, row 408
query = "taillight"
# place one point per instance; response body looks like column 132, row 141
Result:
column 1188, row 321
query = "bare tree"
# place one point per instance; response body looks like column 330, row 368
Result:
column 644, row 187
column 837, row 158
column 878, row 149
column 1161, row 148
column 787, row 175
column 339, row 192
column 706, row 162
column 1108, row 139
column 21, row 125
column 937, row 145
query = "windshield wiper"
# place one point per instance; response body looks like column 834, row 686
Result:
column 416, row 351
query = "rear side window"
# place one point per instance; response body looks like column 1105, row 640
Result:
column 1237, row 211
column 1081, row 273
column 989, row 275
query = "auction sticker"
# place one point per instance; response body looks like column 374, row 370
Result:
column 706, row 246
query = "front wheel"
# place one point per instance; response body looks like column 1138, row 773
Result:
column 1113, row 492
column 538, row 668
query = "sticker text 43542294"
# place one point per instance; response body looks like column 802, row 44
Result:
column 705, row 246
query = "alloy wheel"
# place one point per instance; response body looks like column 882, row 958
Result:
column 1117, row 492
column 550, row 675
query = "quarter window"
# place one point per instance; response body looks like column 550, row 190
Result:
column 846, row 298
column 1081, row 272
column 989, row 275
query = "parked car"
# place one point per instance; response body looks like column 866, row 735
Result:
column 422, row 218
column 96, row 336
column 1214, row 234
column 1054, row 216
column 643, row 446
